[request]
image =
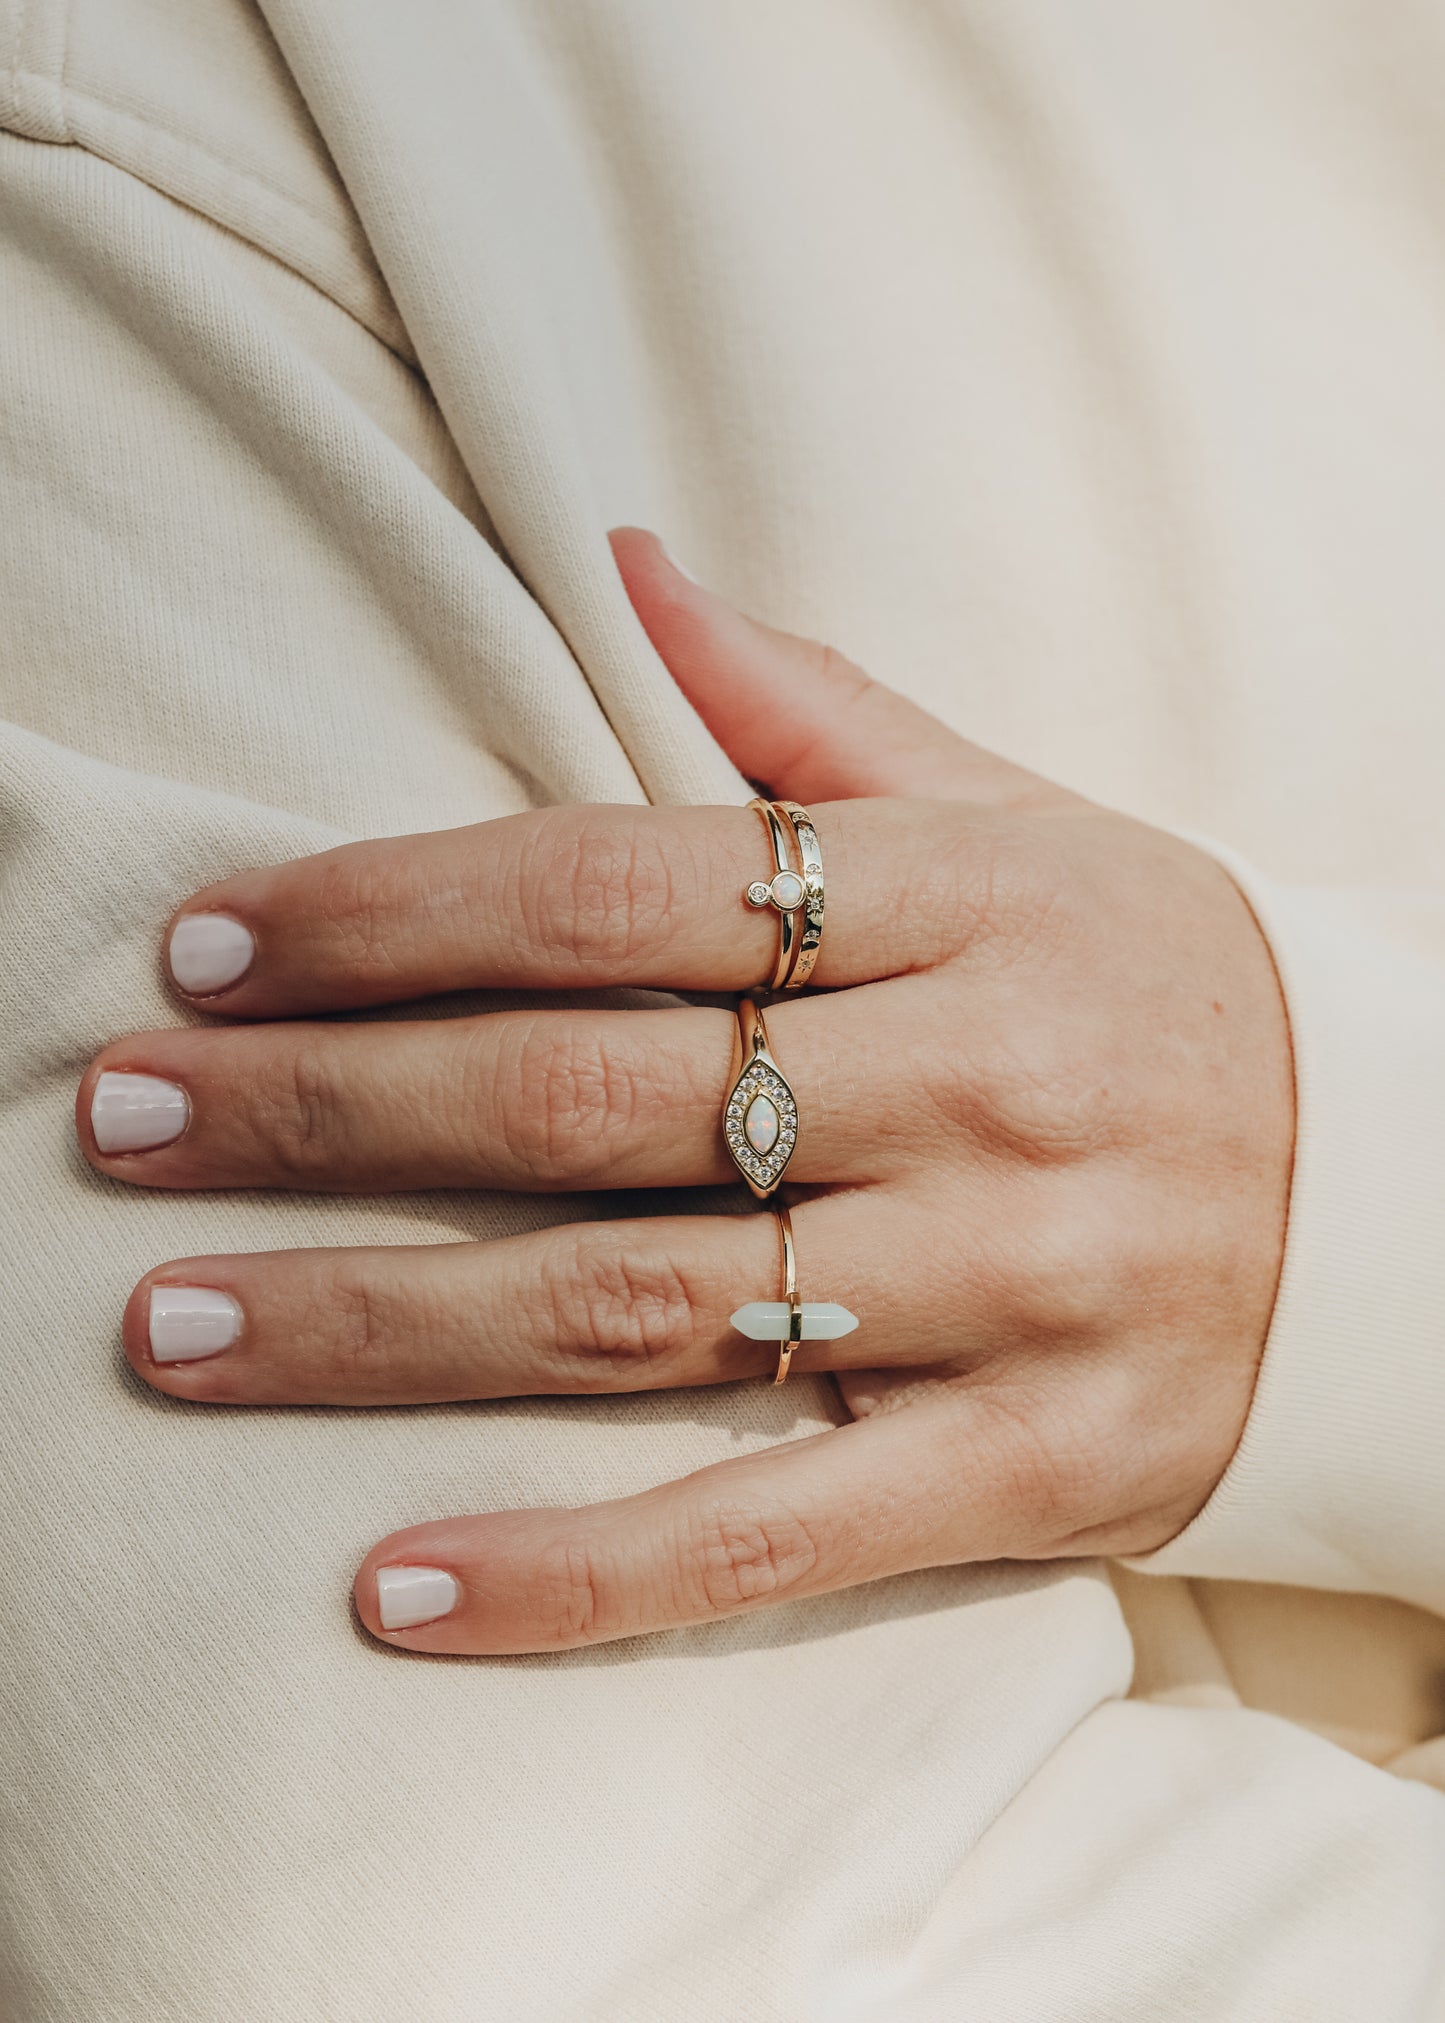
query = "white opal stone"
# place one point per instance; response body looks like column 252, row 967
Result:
column 761, row 1125
column 787, row 890
column 767, row 1321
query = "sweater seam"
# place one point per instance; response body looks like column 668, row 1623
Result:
column 311, row 222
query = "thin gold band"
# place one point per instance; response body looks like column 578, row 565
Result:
column 790, row 1294
column 787, row 921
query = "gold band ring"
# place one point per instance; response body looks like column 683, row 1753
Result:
column 760, row 1115
column 790, row 1294
column 810, row 853
column 786, row 891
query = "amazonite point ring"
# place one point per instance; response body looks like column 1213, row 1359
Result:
column 789, row 1320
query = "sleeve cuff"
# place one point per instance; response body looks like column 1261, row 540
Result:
column 1339, row 1479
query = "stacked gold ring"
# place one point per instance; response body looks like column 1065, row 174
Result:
column 760, row 1112
column 795, row 893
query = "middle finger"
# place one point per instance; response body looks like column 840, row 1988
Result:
column 583, row 1308
column 528, row 1101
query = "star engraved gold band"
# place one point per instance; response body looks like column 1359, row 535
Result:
column 760, row 1114
column 796, row 894
column 810, row 853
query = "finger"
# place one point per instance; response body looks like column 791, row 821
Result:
column 570, row 898
column 528, row 1101
column 589, row 1307
column 944, row 1480
column 583, row 1309
column 798, row 715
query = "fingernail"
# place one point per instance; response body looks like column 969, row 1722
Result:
column 408, row 1595
column 208, row 951
column 675, row 564
column 191, row 1321
column 137, row 1113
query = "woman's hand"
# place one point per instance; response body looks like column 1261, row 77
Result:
column 1046, row 1127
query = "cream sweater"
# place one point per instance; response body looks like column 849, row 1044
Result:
column 1082, row 372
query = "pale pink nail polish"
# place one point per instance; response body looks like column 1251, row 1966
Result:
column 209, row 951
column 408, row 1595
column 137, row 1113
column 188, row 1322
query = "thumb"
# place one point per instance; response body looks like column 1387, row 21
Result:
column 796, row 716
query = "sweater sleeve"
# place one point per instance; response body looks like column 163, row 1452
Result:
column 1339, row 1478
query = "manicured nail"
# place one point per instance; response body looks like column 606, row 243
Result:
column 208, row 951
column 191, row 1321
column 408, row 1595
column 675, row 564
column 136, row 1113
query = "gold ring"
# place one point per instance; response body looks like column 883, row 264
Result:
column 810, row 853
column 790, row 1294
column 786, row 891
column 789, row 1320
column 760, row 1115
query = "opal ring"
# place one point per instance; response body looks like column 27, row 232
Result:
column 796, row 895
column 790, row 1320
column 760, row 1115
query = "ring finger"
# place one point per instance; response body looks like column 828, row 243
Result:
column 579, row 1309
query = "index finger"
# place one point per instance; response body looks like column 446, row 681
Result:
column 579, row 898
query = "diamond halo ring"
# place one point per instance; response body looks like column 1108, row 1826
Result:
column 760, row 1115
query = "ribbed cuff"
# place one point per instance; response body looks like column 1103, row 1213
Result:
column 1339, row 1479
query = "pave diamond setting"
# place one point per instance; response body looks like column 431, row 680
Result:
column 760, row 1125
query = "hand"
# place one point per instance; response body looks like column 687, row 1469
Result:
column 1046, row 1129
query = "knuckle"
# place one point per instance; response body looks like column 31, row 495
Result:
column 1035, row 1100
column 303, row 1112
column 611, row 1303
column 568, row 1591
column 1065, row 1280
column 363, row 899
column 597, row 892
column 356, row 1333
column 732, row 1555
column 574, row 1095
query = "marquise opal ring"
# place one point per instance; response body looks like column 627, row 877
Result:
column 790, row 1320
column 796, row 895
column 760, row 1114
